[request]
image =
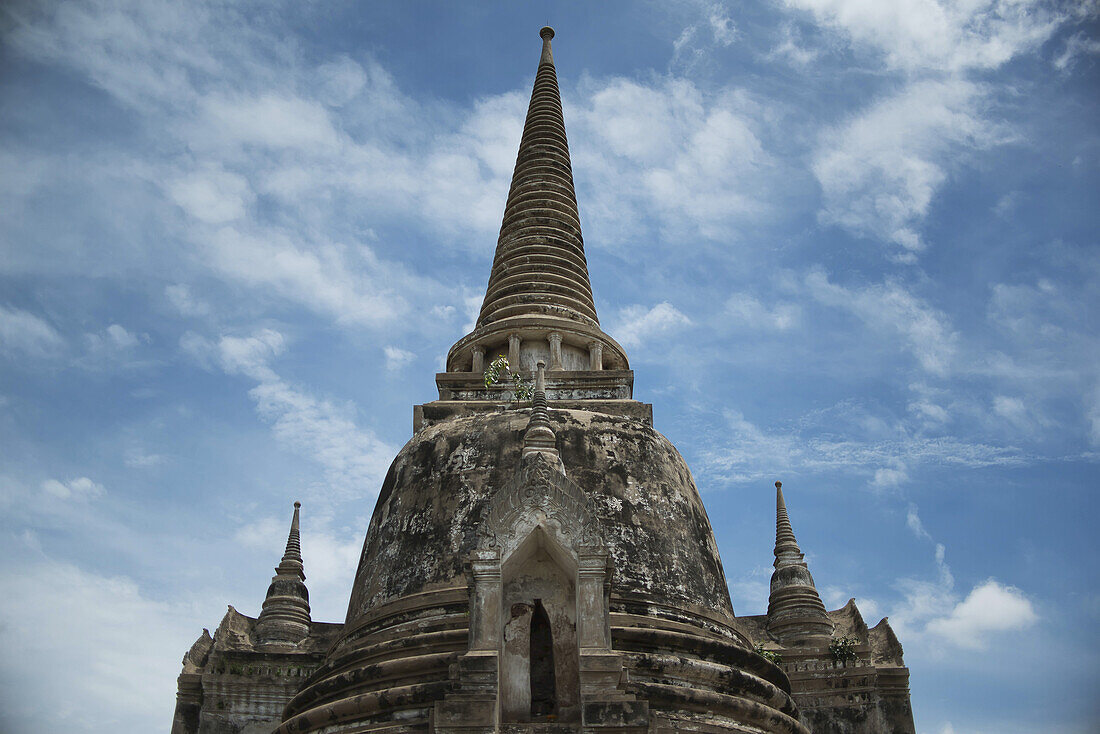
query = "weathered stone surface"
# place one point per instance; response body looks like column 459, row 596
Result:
column 233, row 685
column 437, row 489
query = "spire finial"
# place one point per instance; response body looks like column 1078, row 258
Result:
column 547, row 55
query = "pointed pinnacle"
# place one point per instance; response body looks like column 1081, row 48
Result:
column 785, row 543
column 292, row 557
column 539, row 437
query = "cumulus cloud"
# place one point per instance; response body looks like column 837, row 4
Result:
column 942, row 35
column 880, row 170
column 670, row 155
column 23, row 332
column 988, row 609
column 638, row 324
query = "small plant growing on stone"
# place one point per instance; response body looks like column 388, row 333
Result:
column 770, row 655
column 843, row 648
column 496, row 371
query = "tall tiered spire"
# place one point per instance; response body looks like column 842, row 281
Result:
column 795, row 612
column 540, row 265
column 538, row 291
column 285, row 615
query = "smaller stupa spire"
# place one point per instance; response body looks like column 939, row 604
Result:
column 284, row 619
column 785, row 543
column 795, row 612
column 539, row 437
column 292, row 557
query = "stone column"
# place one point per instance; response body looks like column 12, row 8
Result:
column 592, row 623
column 478, row 359
column 514, row 341
column 485, row 601
column 595, row 356
column 555, row 350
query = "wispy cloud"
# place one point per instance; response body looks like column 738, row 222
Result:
column 21, row 332
column 354, row 458
column 740, row 451
column 890, row 308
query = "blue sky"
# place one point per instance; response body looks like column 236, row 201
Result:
column 848, row 244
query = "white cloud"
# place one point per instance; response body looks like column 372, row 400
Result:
column 345, row 282
column 1092, row 415
column 21, row 331
column 790, row 47
column 745, row 311
column 946, row 35
column 354, row 459
column 179, row 295
column 740, row 451
column 670, row 155
column 1011, row 409
column 397, row 359
column 912, row 519
column 891, row 308
column 890, row 477
column 270, row 119
column 81, row 489
column 211, row 194
column 989, row 608
column 1076, row 46
column 138, row 459
column 638, row 324
column 87, row 634
column 880, row 170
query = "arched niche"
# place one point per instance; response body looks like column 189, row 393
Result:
column 539, row 582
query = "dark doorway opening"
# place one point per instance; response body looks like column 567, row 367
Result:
column 543, row 689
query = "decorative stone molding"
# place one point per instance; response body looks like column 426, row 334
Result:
column 540, row 494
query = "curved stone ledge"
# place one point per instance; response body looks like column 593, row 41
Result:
column 362, row 707
column 741, row 713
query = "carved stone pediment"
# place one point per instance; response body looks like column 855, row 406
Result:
column 539, row 494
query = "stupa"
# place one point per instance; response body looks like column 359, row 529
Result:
column 543, row 564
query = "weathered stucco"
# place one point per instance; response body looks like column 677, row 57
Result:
column 435, row 494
